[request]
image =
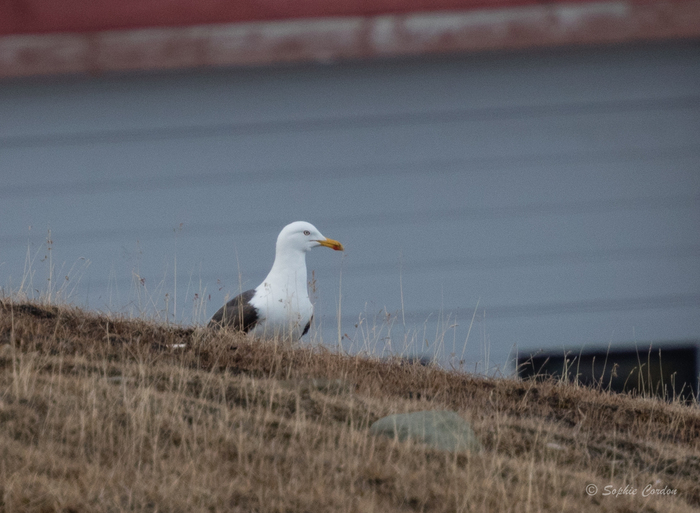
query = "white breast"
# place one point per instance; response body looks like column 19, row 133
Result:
column 284, row 310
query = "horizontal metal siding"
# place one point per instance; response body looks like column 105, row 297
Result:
column 560, row 191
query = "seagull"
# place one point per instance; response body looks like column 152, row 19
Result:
column 280, row 305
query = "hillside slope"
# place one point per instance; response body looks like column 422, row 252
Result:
column 102, row 414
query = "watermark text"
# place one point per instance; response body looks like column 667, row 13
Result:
column 619, row 491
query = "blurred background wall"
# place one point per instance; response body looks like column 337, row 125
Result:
column 516, row 174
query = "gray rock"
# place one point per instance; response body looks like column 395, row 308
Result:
column 444, row 430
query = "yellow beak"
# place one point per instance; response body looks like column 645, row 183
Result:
column 330, row 243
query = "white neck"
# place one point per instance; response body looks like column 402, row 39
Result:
column 289, row 271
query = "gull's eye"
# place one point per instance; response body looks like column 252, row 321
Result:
column 307, row 232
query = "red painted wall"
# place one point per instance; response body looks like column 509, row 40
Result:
column 42, row 16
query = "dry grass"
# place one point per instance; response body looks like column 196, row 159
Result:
column 100, row 414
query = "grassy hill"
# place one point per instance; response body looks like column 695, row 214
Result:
column 100, row 414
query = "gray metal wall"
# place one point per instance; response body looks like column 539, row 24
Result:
column 558, row 191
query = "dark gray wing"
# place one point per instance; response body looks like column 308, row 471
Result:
column 308, row 325
column 237, row 313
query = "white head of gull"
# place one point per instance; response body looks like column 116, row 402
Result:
column 280, row 305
